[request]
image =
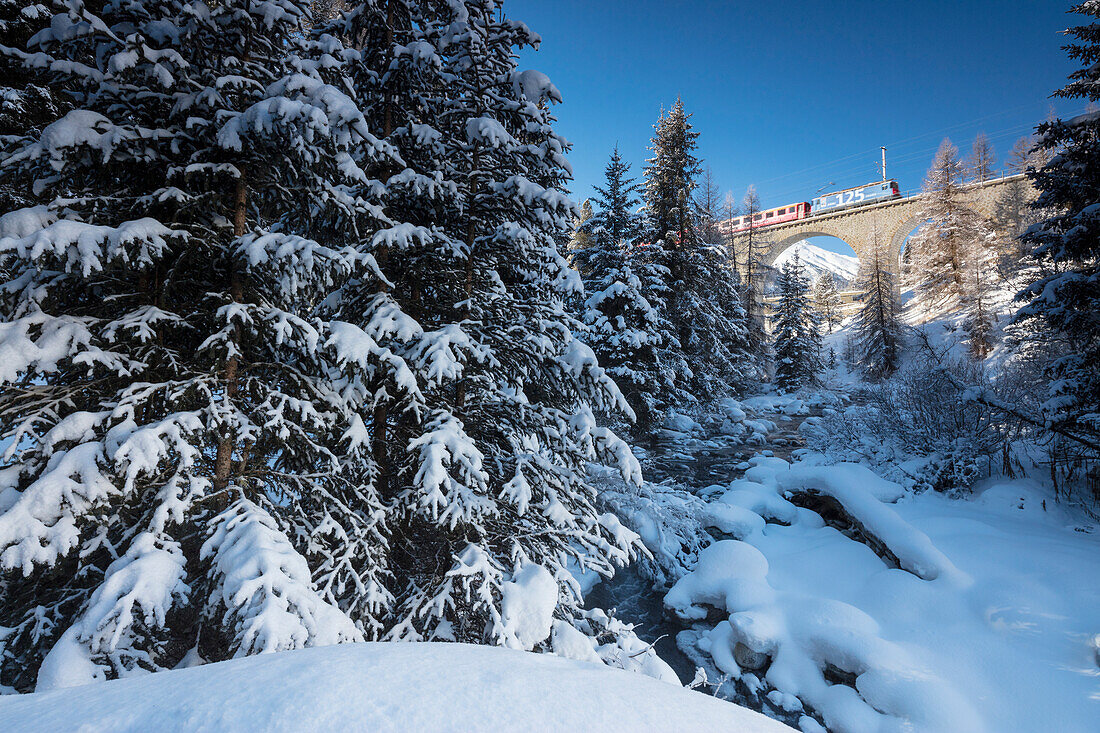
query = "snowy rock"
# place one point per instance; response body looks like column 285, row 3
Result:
column 728, row 519
column 679, row 423
column 760, row 500
column 794, row 407
column 732, row 428
column 746, row 658
column 731, row 409
column 729, row 574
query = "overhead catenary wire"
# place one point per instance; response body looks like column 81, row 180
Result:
column 871, row 166
column 901, row 143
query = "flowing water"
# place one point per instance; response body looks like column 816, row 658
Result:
column 694, row 464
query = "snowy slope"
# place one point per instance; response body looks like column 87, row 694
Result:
column 816, row 260
column 383, row 687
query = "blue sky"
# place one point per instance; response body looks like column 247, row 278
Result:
column 790, row 96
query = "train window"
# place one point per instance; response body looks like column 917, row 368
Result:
column 781, row 212
column 758, row 217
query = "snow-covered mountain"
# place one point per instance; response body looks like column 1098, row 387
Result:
column 816, row 260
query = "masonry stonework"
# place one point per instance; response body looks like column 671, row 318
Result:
column 894, row 221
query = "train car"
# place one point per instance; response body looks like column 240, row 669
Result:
column 858, row 196
column 790, row 212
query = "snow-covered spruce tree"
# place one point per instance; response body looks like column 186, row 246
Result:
column 797, row 337
column 827, row 300
column 718, row 343
column 1061, row 306
column 27, row 99
column 618, row 202
column 939, row 248
column 704, row 303
column 499, row 500
column 187, row 465
column 581, row 241
column 878, row 328
column 670, row 179
column 625, row 307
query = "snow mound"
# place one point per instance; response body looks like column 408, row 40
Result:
column 383, row 687
column 528, row 606
column 806, row 649
column 862, row 492
column 825, row 652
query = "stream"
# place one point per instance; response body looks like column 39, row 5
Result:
column 695, row 464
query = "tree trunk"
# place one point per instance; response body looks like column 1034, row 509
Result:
column 223, row 460
column 380, row 418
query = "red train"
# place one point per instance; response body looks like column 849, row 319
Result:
column 790, row 212
column 825, row 204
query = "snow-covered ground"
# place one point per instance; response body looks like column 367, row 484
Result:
column 977, row 614
column 832, row 591
column 382, row 687
column 819, row 591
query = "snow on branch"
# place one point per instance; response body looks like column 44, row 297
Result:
column 39, row 343
column 535, row 86
column 83, row 248
column 579, row 362
column 129, row 606
column 78, row 130
column 450, row 481
column 266, row 587
column 41, row 525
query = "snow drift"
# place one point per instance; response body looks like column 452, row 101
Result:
column 383, row 687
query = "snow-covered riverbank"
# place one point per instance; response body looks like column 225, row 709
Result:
column 831, row 591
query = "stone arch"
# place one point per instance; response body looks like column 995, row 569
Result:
column 894, row 219
column 792, row 239
column 897, row 241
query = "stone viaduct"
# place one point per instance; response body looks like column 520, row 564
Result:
column 894, row 220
